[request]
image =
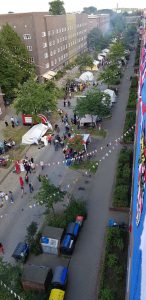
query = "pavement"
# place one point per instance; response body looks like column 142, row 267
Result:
column 14, row 218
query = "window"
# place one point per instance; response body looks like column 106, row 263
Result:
column 54, row 52
column 49, row 33
column 52, row 63
column 59, row 59
column 47, row 66
column 62, row 29
column 45, row 55
column 31, row 59
column 51, row 53
column 50, row 43
column 58, row 50
column 59, row 30
column 29, row 48
column 61, row 48
column 44, row 45
column 43, row 33
column 27, row 36
column 60, row 40
column 56, row 31
column 25, row 26
column 52, row 32
column 64, row 55
column 14, row 26
column 55, row 61
column 66, row 46
column 57, row 41
column 69, row 45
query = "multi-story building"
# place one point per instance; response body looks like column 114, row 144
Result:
column 136, row 277
column 99, row 21
column 52, row 41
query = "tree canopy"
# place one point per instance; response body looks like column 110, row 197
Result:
column 56, row 8
column 96, row 40
column 14, row 63
column 34, row 98
column 90, row 10
column 93, row 104
column 49, row 194
column 110, row 75
column 116, row 52
column 84, row 60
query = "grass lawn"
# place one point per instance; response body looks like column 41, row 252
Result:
column 89, row 165
column 16, row 135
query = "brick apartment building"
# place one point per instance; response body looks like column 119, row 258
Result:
column 52, row 41
column 99, row 21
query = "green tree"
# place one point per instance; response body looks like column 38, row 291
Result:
column 49, row 194
column 116, row 52
column 76, row 143
column 56, row 8
column 93, row 104
column 94, row 39
column 14, row 62
column 90, row 10
column 34, row 98
column 84, row 60
column 110, row 75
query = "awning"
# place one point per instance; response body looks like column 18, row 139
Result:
column 49, row 75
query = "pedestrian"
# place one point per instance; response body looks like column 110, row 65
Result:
column 12, row 122
column 66, row 117
column 26, row 178
column 11, row 196
column 16, row 122
column 31, row 189
column 32, row 166
column 64, row 102
column 21, row 181
column 1, row 248
column 42, row 164
column 58, row 129
column 68, row 102
column 70, row 95
column 6, row 197
column 6, row 123
column 32, row 160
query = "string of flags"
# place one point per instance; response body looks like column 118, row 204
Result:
column 84, row 173
column 11, row 291
column 86, row 154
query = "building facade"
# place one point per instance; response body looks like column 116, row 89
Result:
column 52, row 41
column 136, row 278
column 101, row 22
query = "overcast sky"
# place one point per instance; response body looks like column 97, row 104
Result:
column 70, row 5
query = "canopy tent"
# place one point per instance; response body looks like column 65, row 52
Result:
column 112, row 95
column 100, row 58
column 86, row 76
column 85, row 139
column 49, row 75
column 88, row 119
column 33, row 135
column 96, row 62
column 106, row 50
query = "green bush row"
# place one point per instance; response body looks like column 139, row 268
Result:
column 74, row 208
column 122, row 191
column 132, row 99
column 129, row 122
column 113, row 276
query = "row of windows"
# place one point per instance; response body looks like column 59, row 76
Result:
column 64, row 29
column 27, row 36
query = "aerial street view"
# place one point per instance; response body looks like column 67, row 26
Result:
column 72, row 150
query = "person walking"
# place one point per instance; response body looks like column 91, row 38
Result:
column 12, row 122
column 6, row 197
column 68, row 102
column 26, row 178
column 21, row 181
column 6, row 123
column 31, row 189
column 11, row 196
column 1, row 248
column 42, row 165
column 32, row 160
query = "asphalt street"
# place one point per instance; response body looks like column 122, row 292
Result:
column 85, row 262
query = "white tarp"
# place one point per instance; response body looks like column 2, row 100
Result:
column 33, row 135
column 96, row 62
column 112, row 95
column 88, row 119
column 87, row 76
column 100, row 57
column 106, row 50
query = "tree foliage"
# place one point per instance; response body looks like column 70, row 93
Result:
column 56, row 8
column 110, row 75
column 34, row 98
column 76, row 143
column 90, row 10
column 84, row 60
column 116, row 52
column 94, row 39
column 93, row 104
column 49, row 194
column 14, row 63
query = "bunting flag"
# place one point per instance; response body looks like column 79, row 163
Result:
column 11, row 291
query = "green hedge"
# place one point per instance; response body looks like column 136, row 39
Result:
column 129, row 122
column 113, row 276
column 75, row 207
column 122, row 191
column 132, row 99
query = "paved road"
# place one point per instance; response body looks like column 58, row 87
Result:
column 85, row 262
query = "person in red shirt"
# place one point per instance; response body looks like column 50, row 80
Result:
column 21, row 182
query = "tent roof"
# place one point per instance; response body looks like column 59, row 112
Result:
column 87, row 76
column 110, row 92
column 35, row 133
column 49, row 75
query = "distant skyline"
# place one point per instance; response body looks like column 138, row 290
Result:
column 70, row 6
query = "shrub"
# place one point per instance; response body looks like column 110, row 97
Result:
column 129, row 122
column 121, row 196
column 134, row 82
column 107, row 294
column 33, row 239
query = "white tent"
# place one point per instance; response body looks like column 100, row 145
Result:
column 100, row 58
column 88, row 119
column 33, row 135
column 87, row 76
column 96, row 62
column 106, row 50
column 112, row 95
